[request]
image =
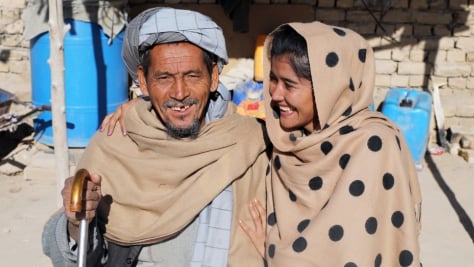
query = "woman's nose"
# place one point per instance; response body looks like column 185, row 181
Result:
column 276, row 92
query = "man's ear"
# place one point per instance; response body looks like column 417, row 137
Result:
column 214, row 77
column 142, row 80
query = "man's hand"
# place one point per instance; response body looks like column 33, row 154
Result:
column 258, row 235
column 91, row 198
column 111, row 119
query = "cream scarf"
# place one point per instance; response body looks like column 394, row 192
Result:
column 154, row 185
column 346, row 195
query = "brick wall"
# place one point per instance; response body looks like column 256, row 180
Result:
column 413, row 40
column 14, row 51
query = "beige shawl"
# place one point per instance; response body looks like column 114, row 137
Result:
column 345, row 195
column 154, row 185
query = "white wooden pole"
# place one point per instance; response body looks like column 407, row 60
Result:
column 58, row 108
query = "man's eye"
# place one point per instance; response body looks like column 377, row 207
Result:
column 163, row 80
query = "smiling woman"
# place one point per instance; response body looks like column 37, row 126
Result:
column 292, row 96
column 341, row 180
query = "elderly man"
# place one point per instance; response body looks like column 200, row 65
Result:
column 171, row 192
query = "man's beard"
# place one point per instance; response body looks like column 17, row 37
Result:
column 192, row 131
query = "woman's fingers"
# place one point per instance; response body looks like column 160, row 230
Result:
column 258, row 234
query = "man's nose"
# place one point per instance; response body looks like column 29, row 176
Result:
column 180, row 90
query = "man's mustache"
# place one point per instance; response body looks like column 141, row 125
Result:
column 185, row 102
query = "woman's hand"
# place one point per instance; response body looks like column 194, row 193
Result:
column 111, row 119
column 258, row 235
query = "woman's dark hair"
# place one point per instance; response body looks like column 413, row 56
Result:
column 209, row 59
column 287, row 41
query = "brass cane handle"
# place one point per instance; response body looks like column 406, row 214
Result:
column 76, row 191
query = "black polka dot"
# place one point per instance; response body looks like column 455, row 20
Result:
column 326, row 126
column 316, row 183
column 405, row 258
column 346, row 129
column 350, row 264
column 344, row 160
column 351, row 85
column 339, row 32
column 275, row 114
column 332, row 59
column 388, row 181
column 299, row 244
column 292, row 137
column 360, row 84
column 271, row 251
column 378, row 260
column 398, row 142
column 277, row 162
column 374, row 143
column 265, row 263
column 292, row 196
column 302, row 225
column 271, row 219
column 397, row 219
column 357, row 188
column 326, row 147
column 336, row 233
column 267, row 172
column 362, row 54
column 347, row 112
column 371, row 225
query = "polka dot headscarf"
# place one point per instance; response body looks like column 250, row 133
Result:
column 346, row 195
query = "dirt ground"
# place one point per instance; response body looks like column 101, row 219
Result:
column 25, row 206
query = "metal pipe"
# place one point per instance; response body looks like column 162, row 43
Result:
column 75, row 205
column 83, row 238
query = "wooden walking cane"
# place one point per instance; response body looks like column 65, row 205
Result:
column 80, row 178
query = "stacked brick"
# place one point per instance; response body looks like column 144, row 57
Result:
column 415, row 41
column 14, row 51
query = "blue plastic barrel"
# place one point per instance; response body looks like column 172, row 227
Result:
column 95, row 81
column 410, row 110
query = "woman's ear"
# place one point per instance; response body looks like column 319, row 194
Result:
column 214, row 77
column 142, row 80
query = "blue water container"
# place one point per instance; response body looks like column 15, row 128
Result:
column 245, row 90
column 410, row 110
column 95, row 81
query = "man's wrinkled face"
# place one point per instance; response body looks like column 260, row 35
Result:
column 179, row 85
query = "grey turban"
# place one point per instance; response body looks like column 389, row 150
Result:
column 166, row 25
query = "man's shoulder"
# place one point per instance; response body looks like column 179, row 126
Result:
column 248, row 121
